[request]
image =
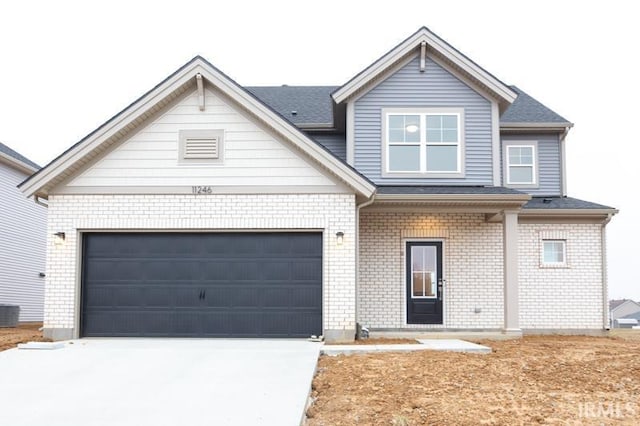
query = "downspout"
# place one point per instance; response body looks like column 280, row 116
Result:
column 358, row 207
column 605, row 295
column 39, row 201
column 563, row 161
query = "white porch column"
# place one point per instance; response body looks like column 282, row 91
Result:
column 511, row 297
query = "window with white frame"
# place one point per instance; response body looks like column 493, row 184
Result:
column 423, row 142
column 521, row 166
column 554, row 252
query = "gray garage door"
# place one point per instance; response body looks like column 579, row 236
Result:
column 202, row 284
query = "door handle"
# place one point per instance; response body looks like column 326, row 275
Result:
column 204, row 294
column 200, row 295
column 440, row 288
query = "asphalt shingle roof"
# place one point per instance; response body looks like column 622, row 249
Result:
column 11, row 153
column 562, row 203
column 311, row 104
column 526, row 109
column 411, row 190
column 314, row 105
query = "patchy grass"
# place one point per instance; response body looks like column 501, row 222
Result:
column 535, row 380
column 23, row 333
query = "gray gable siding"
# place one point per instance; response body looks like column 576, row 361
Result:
column 434, row 88
column 23, row 225
column 334, row 142
column 549, row 163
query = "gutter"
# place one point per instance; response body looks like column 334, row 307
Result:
column 454, row 197
column 357, row 275
column 569, row 212
column 17, row 164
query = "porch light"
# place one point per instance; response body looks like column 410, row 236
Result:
column 412, row 128
column 59, row 238
column 340, row 238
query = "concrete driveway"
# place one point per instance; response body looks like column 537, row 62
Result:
column 158, row 382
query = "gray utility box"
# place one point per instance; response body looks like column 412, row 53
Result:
column 9, row 315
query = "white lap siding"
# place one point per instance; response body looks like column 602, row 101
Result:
column 473, row 268
column 568, row 297
column 329, row 213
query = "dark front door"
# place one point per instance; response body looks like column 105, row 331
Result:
column 424, row 283
column 202, row 284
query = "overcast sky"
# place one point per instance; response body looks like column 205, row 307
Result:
column 66, row 67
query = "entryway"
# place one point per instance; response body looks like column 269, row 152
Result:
column 424, row 282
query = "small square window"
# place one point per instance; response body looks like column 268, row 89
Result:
column 554, row 252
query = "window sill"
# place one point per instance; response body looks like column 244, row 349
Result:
column 554, row 266
column 417, row 175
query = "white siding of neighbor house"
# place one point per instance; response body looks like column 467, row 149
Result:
column 22, row 249
column 627, row 308
column 568, row 297
column 252, row 156
column 329, row 213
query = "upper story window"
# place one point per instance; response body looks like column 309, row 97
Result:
column 423, row 142
column 521, row 165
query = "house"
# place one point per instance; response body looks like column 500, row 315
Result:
column 622, row 308
column 23, row 225
column 423, row 194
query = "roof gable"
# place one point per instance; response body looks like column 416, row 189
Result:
column 129, row 119
column 250, row 157
column 436, row 45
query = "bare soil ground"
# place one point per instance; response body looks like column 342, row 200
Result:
column 555, row 380
column 28, row 332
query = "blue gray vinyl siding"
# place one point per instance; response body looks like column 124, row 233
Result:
column 549, row 162
column 334, row 142
column 23, row 225
column 435, row 88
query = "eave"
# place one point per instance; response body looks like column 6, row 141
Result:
column 586, row 215
column 17, row 164
column 450, row 203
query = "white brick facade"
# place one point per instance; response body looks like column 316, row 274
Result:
column 568, row 297
column 329, row 213
column 550, row 298
column 472, row 267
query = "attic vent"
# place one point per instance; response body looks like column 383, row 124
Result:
column 205, row 148
column 201, row 146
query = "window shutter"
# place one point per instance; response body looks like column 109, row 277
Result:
column 201, row 148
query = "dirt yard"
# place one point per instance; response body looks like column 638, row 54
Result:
column 558, row 380
column 10, row 337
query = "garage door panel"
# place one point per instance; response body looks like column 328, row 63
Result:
column 207, row 285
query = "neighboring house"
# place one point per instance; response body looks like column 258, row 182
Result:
column 23, row 225
column 629, row 321
column 423, row 194
column 622, row 309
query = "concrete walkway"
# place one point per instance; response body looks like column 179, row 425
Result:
column 158, row 382
column 451, row 345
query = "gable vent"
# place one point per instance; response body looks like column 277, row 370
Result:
column 201, row 148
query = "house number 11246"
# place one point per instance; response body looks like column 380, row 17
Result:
column 202, row 190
